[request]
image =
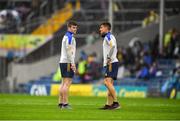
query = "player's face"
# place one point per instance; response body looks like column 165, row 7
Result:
column 103, row 29
column 73, row 29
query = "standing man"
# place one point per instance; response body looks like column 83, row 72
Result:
column 67, row 63
column 110, row 64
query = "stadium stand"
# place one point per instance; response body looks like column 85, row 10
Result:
column 90, row 11
column 55, row 22
column 24, row 44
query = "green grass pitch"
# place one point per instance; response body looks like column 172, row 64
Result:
column 23, row 107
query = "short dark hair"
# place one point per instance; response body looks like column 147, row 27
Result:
column 71, row 23
column 106, row 24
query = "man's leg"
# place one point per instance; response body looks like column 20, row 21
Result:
column 67, row 84
column 109, row 84
column 109, row 98
column 61, row 94
column 111, row 95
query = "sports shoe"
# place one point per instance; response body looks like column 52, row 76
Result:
column 60, row 105
column 106, row 107
column 115, row 105
column 66, row 106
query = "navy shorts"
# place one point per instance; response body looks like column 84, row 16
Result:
column 111, row 70
column 66, row 70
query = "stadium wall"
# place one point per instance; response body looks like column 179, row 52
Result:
column 25, row 72
column 87, row 90
column 3, row 53
column 167, row 87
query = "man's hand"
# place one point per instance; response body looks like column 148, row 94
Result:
column 108, row 61
column 109, row 64
column 73, row 67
